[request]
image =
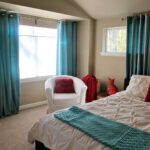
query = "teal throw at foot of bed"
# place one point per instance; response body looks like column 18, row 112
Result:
column 113, row 134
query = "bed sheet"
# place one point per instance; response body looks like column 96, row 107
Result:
column 121, row 107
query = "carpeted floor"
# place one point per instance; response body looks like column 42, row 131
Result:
column 14, row 129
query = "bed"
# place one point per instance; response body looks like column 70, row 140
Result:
column 127, row 107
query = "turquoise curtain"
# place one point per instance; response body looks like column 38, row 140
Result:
column 9, row 64
column 138, row 45
column 67, row 48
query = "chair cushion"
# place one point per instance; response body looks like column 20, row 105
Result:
column 64, row 85
column 66, row 99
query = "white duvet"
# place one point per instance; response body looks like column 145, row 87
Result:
column 121, row 107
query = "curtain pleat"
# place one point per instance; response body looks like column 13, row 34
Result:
column 9, row 64
column 138, row 45
column 67, row 48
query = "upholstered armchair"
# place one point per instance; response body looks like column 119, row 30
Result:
column 58, row 101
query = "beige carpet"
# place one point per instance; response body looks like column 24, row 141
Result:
column 14, row 129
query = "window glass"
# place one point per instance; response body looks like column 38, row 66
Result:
column 37, row 50
column 115, row 40
column 26, row 30
column 46, row 56
column 44, row 32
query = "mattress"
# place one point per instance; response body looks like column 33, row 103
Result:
column 121, row 107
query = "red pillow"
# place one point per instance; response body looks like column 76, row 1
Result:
column 64, row 85
column 147, row 98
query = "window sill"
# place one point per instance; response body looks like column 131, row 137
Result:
column 112, row 54
column 35, row 79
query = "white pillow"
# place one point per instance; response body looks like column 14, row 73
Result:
column 138, row 85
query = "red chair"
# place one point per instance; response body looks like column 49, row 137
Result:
column 91, row 83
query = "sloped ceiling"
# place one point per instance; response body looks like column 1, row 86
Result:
column 56, row 9
column 113, row 8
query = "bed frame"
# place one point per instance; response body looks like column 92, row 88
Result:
column 40, row 146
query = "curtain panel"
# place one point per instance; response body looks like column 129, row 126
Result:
column 67, row 48
column 9, row 63
column 138, row 45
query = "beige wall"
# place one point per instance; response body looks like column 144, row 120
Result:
column 92, row 46
column 108, row 66
column 85, row 43
column 32, row 92
column 88, row 52
column 82, row 47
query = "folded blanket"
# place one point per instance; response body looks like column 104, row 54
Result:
column 113, row 134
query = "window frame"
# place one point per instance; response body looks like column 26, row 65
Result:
column 36, row 78
column 104, row 51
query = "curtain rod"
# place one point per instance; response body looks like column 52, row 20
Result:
column 32, row 16
column 43, row 18
column 135, row 14
column 27, row 16
column 37, row 17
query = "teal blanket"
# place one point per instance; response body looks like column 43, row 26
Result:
column 115, row 135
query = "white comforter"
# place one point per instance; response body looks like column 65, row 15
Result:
column 121, row 107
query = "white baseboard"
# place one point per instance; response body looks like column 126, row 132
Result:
column 27, row 106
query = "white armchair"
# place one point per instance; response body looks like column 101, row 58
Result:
column 58, row 101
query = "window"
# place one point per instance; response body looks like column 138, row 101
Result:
column 37, row 50
column 114, row 41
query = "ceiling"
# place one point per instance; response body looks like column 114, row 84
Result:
column 113, row 8
column 34, row 11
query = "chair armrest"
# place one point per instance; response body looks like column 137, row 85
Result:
column 49, row 84
column 80, row 89
column 49, row 90
column 83, row 95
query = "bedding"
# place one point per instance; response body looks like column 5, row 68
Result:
column 101, row 129
column 138, row 85
column 121, row 107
